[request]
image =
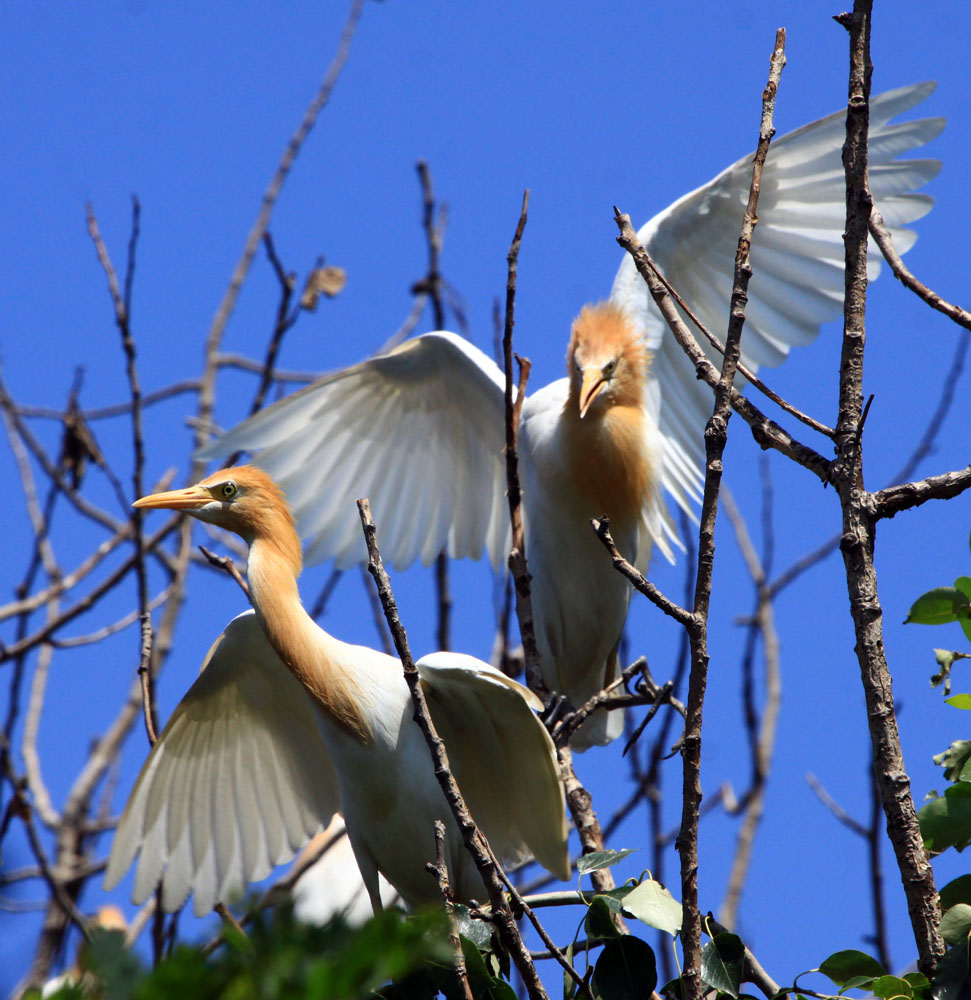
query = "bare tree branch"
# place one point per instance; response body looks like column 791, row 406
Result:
column 859, row 523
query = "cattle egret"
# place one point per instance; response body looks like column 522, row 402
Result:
column 286, row 724
column 420, row 430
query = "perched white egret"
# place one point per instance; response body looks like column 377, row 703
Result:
column 286, row 724
column 420, row 431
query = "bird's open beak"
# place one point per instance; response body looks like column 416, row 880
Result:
column 591, row 386
column 191, row 498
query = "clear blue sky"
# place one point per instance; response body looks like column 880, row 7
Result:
column 189, row 107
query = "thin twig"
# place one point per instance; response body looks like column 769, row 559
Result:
column 472, row 836
column 762, row 734
column 523, row 905
column 514, row 396
column 374, row 602
column 903, row 274
column 767, row 433
column 750, row 375
column 206, row 388
column 123, row 322
column 285, row 319
column 716, row 436
column 440, row 870
column 227, row 917
column 226, row 564
column 601, row 527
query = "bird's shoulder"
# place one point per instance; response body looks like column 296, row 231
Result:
column 540, row 419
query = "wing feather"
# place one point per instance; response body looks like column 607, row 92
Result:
column 797, row 256
column 237, row 782
column 502, row 757
column 366, row 431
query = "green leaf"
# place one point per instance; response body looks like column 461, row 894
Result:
column 501, row 990
column 956, row 891
column 674, row 989
column 596, row 860
column 857, row 983
column 952, row 974
column 918, row 981
column 843, row 966
column 614, row 898
column 946, row 821
column 475, row 967
column 722, row 962
column 653, row 905
column 955, row 758
column 956, row 923
column 625, row 970
column 963, row 583
column 598, row 923
column 891, row 988
column 938, row 607
column 960, row 701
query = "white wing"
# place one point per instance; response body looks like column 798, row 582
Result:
column 797, row 257
column 236, row 784
column 502, row 757
column 419, row 431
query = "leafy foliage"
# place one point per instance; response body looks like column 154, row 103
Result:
column 723, row 963
column 279, row 958
column 625, row 970
column 852, row 969
column 945, row 821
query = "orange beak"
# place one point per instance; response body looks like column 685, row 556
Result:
column 591, row 386
column 191, row 498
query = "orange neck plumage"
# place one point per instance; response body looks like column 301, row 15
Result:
column 307, row 650
column 608, row 467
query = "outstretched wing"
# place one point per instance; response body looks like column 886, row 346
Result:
column 236, row 784
column 797, row 257
column 419, row 431
column 502, row 757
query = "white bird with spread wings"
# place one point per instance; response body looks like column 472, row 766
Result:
column 287, row 724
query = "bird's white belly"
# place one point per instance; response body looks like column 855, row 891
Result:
column 579, row 602
column 390, row 798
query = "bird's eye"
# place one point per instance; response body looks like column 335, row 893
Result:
column 609, row 367
column 228, row 490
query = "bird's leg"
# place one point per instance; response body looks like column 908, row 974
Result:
column 369, row 876
column 556, row 710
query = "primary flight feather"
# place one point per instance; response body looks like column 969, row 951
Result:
column 420, row 429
